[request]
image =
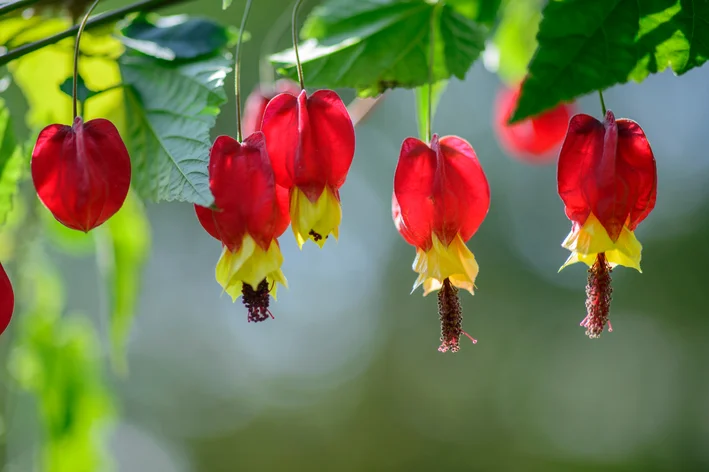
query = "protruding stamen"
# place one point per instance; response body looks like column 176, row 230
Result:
column 451, row 316
column 598, row 297
column 256, row 301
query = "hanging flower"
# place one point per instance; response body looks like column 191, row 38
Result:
column 251, row 213
column 7, row 300
column 81, row 172
column 608, row 182
column 535, row 140
column 441, row 196
column 259, row 98
column 311, row 143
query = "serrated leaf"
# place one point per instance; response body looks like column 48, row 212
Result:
column 172, row 110
column 586, row 46
column 177, row 37
column 422, row 99
column 124, row 245
column 83, row 93
column 11, row 163
column 375, row 45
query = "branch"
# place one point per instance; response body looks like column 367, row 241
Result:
column 11, row 6
column 99, row 20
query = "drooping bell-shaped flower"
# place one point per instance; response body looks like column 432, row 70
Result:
column 81, row 172
column 607, row 179
column 441, row 196
column 535, row 140
column 251, row 213
column 259, row 98
column 7, row 300
column 311, row 142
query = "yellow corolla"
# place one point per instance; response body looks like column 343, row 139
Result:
column 315, row 220
column 454, row 262
column 587, row 241
column 251, row 264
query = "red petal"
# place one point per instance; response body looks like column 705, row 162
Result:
column 637, row 168
column 311, row 141
column 584, row 141
column 607, row 168
column 258, row 100
column 461, row 193
column 245, row 193
column 329, row 148
column 7, row 300
column 439, row 189
column 412, row 202
column 536, row 139
column 280, row 126
column 81, row 173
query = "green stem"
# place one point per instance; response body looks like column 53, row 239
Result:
column 237, row 70
column 294, row 21
column 7, row 8
column 76, row 54
column 432, row 49
column 603, row 103
column 99, row 20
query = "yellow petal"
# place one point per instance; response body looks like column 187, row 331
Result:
column 250, row 265
column 320, row 218
column 454, row 262
column 587, row 241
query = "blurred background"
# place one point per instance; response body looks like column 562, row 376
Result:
column 348, row 377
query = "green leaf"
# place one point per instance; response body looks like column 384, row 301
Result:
column 586, row 46
column 176, row 37
column 57, row 360
column 226, row 4
column 483, row 12
column 11, row 163
column 83, row 93
column 124, row 245
column 375, row 45
column 422, row 95
column 172, row 110
column 515, row 38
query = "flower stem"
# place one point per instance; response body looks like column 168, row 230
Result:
column 237, row 70
column 603, row 103
column 294, row 25
column 99, row 20
column 76, row 53
column 432, row 49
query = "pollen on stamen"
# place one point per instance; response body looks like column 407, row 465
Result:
column 315, row 236
column 598, row 298
column 451, row 315
column 256, row 301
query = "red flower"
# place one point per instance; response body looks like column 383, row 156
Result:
column 535, row 140
column 251, row 212
column 7, row 300
column 81, row 172
column 311, row 143
column 608, row 182
column 441, row 196
column 258, row 100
